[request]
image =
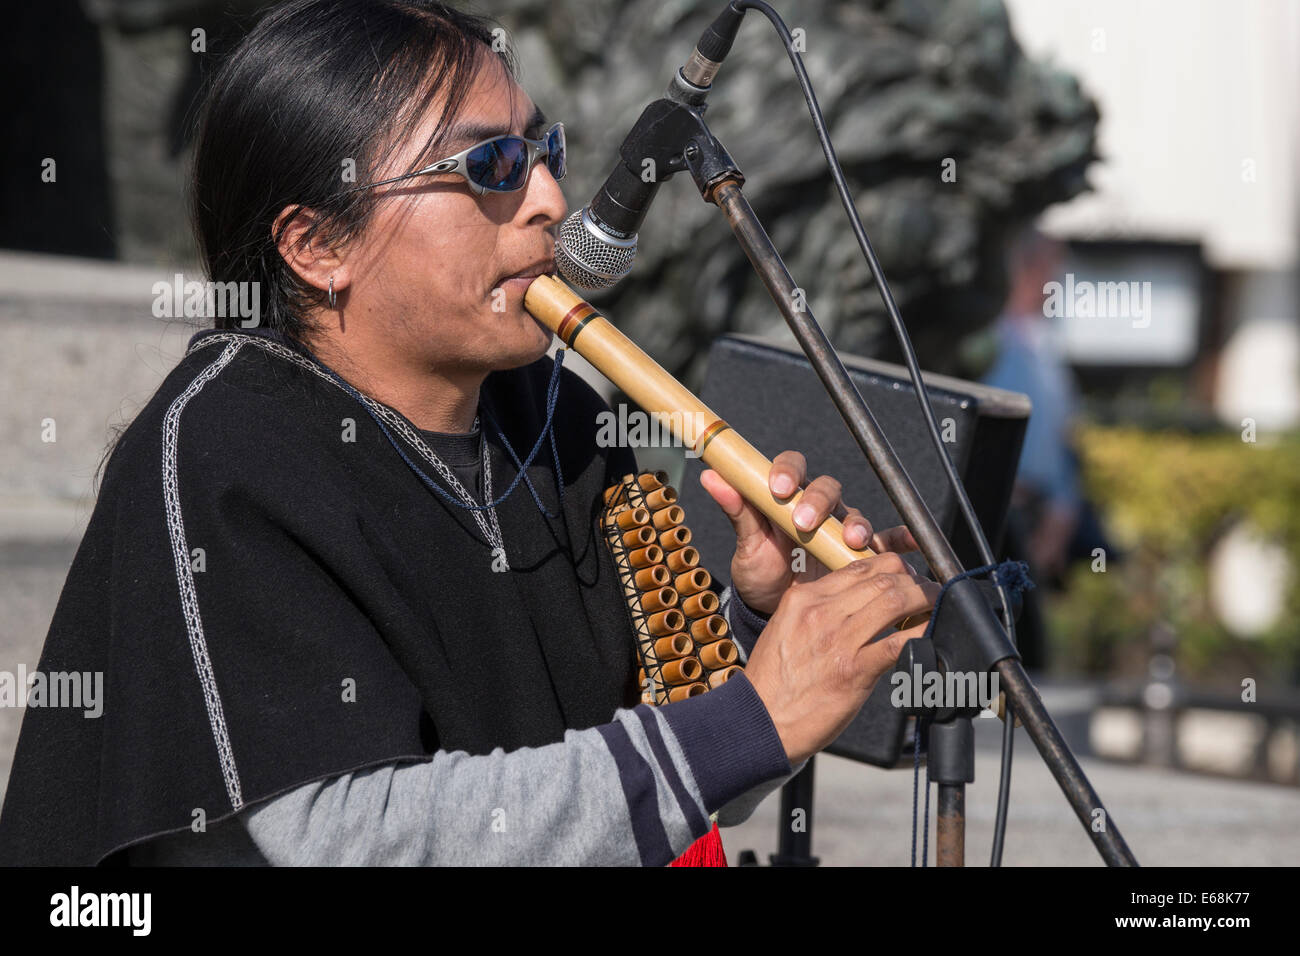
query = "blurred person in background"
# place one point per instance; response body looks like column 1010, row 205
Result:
column 1051, row 523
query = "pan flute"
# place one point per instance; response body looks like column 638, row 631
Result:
column 681, row 640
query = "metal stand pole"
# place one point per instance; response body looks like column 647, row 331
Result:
column 794, row 844
column 753, row 238
column 951, row 764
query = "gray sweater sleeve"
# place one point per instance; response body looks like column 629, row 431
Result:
column 637, row 790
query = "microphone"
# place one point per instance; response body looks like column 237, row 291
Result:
column 597, row 244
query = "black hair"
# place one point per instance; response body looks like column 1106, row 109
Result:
column 315, row 84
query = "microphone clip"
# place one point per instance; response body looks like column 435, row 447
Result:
column 669, row 138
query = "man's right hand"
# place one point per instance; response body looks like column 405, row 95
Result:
column 815, row 664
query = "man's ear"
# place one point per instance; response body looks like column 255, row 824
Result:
column 315, row 263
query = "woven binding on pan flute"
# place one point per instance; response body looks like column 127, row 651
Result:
column 681, row 639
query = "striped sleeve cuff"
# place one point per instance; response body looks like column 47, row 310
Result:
column 678, row 763
column 744, row 622
column 729, row 741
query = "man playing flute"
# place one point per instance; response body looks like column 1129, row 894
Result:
column 322, row 642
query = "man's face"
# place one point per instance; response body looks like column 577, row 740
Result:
column 432, row 268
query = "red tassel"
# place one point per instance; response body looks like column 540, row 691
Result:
column 706, row 851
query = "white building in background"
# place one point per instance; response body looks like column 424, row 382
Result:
column 1200, row 142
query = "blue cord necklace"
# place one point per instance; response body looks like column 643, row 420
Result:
column 491, row 528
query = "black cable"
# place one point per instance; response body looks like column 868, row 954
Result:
column 1004, row 781
column 914, row 372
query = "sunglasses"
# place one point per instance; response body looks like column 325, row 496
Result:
column 501, row 164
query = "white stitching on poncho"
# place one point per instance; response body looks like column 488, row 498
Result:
column 185, row 574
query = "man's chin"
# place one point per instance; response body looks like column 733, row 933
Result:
column 530, row 344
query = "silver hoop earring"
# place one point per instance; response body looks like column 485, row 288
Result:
column 333, row 298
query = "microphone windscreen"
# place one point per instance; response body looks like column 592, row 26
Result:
column 587, row 257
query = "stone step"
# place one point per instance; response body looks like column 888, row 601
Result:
column 80, row 354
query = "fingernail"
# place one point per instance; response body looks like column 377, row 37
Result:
column 783, row 485
column 803, row 517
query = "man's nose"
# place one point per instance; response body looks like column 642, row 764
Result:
column 544, row 201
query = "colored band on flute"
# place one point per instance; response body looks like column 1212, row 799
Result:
column 717, row 428
column 573, row 322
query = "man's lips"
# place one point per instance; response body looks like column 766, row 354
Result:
column 528, row 274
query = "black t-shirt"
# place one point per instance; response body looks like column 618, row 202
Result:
column 462, row 452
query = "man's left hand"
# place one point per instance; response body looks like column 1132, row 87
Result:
column 761, row 570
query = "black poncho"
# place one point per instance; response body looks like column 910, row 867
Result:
column 271, row 603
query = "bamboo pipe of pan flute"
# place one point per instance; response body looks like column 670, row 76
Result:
column 719, row 654
column 675, row 538
column 697, row 426
column 672, row 647
column 632, row 518
column 666, row 518
column 666, row 622
column 683, row 559
column 660, row 498
column 649, row 481
column 700, row 605
column 709, row 629
column 645, row 557
column 685, row 670
column 685, row 691
column 639, row 537
column 652, row 601
column 718, row 678
column 658, row 576
column 691, row 582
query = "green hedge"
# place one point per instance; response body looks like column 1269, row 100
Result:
column 1167, row 498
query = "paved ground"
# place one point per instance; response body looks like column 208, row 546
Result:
column 862, row 816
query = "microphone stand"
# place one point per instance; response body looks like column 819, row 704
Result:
column 673, row 133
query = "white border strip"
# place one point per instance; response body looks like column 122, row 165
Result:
column 185, row 574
